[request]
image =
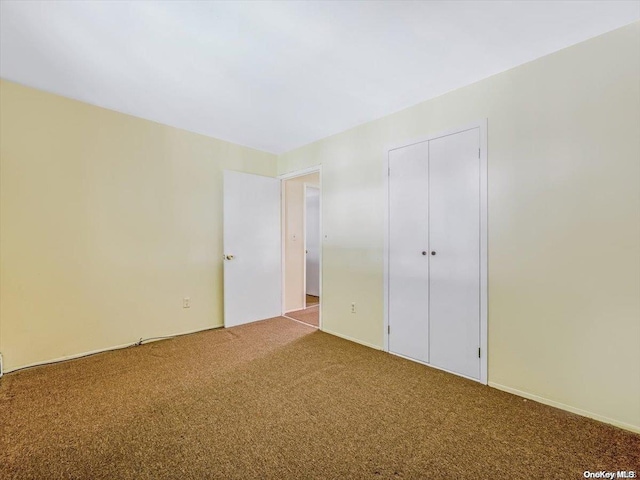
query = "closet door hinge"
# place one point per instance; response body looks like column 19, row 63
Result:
column 478, row 153
column 388, row 329
column 478, row 352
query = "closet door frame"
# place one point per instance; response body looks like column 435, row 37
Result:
column 484, row 307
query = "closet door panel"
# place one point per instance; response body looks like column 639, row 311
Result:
column 454, row 238
column 408, row 267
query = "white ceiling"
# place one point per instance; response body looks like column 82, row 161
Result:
column 278, row 75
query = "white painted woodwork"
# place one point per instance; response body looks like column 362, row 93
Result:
column 454, row 235
column 408, row 237
column 252, row 248
column 434, row 248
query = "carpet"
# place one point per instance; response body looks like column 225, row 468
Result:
column 278, row 400
column 310, row 315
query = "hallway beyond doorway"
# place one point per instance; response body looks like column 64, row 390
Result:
column 309, row 315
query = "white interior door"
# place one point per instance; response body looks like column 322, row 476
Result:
column 408, row 248
column 312, row 240
column 454, row 265
column 252, row 248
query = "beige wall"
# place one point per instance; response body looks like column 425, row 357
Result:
column 107, row 222
column 294, row 240
column 564, row 222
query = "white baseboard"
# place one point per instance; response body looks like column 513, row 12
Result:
column 351, row 339
column 108, row 349
column 568, row 408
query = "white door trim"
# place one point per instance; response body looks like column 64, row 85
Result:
column 302, row 172
column 484, row 306
column 287, row 176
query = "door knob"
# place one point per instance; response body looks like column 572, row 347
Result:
column 229, row 257
column 433, row 253
column 424, row 253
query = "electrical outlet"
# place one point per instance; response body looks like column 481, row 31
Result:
column 353, row 307
column 186, row 302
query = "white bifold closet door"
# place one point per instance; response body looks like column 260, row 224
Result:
column 408, row 249
column 454, row 237
column 434, row 252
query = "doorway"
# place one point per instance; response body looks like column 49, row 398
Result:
column 301, row 200
column 265, row 244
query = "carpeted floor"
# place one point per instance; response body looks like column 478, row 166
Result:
column 278, row 400
column 312, row 300
column 310, row 315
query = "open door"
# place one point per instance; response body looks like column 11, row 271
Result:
column 252, row 248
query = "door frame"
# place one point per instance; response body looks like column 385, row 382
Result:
column 484, row 306
column 288, row 176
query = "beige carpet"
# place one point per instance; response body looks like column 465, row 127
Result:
column 310, row 315
column 278, row 400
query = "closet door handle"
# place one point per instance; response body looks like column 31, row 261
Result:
column 433, row 253
column 424, row 253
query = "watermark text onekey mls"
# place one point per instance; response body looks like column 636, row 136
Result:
column 610, row 475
